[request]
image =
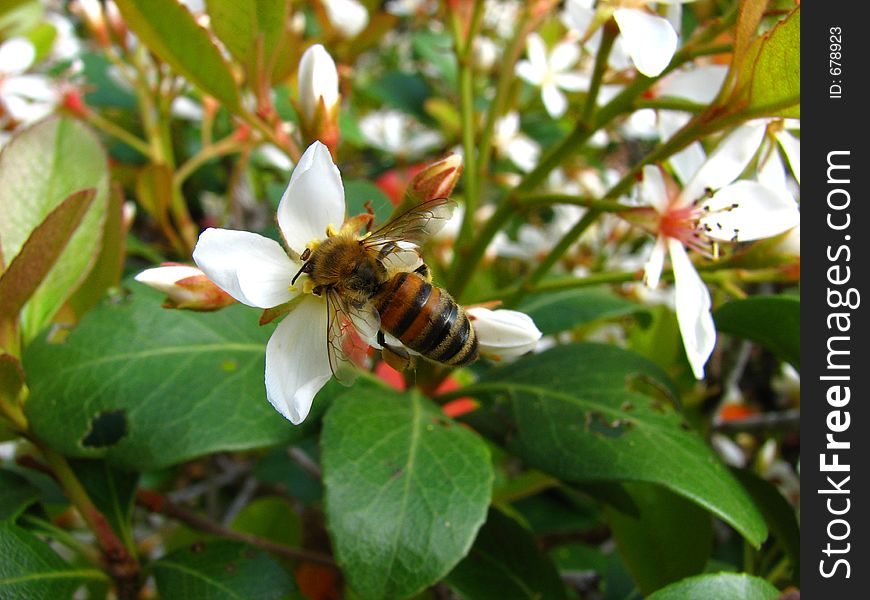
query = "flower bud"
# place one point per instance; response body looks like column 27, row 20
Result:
column 435, row 181
column 92, row 13
column 185, row 287
column 318, row 96
column 349, row 17
column 503, row 333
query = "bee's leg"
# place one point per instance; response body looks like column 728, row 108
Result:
column 424, row 272
column 395, row 356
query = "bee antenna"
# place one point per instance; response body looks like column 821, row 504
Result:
column 298, row 273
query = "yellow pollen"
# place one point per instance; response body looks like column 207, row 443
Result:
column 313, row 245
column 308, row 287
column 292, row 288
column 331, row 230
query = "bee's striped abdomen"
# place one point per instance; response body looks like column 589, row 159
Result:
column 426, row 319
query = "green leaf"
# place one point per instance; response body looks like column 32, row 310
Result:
column 221, row 570
column 505, row 562
column 272, row 518
column 359, row 191
column 778, row 513
column 669, row 538
column 147, row 387
column 106, row 273
column 32, row 570
column 721, row 586
column 775, row 86
column 168, row 29
column 256, row 32
column 406, row 490
column 437, row 48
column 565, row 310
column 39, row 169
column 112, row 490
column 17, row 17
column 40, row 252
column 405, row 91
column 771, row 321
column 16, row 494
column 589, row 412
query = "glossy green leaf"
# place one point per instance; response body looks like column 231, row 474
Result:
column 222, row 570
column 565, row 310
column 17, row 17
column 148, row 387
column 272, row 518
column 256, row 33
column 106, row 273
column 168, row 29
column 40, row 252
column 778, row 513
column 16, row 494
column 771, row 321
column 505, row 562
column 406, row 490
column 720, row 586
column 669, row 538
column 39, row 169
column 590, row 412
column 30, row 569
column 775, row 87
column 113, row 492
column 358, row 192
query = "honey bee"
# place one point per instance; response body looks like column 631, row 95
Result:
column 379, row 286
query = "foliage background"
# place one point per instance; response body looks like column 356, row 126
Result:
column 142, row 458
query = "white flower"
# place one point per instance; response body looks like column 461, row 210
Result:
column 26, row 98
column 349, row 17
column 509, row 141
column 503, row 333
column 185, row 287
column 257, row 271
column 318, row 81
column 648, row 39
column 693, row 218
column 550, row 72
column 397, row 133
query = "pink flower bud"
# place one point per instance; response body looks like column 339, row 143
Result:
column 435, row 181
column 185, row 287
column 503, row 333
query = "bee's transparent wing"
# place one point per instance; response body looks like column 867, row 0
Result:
column 350, row 332
column 414, row 225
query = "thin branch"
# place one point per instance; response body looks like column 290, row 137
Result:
column 157, row 503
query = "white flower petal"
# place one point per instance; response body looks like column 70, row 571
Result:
column 573, row 82
column 693, row 309
column 349, row 17
column 318, row 78
column 554, row 100
column 249, row 267
column 652, row 270
column 653, row 190
column 537, row 53
column 313, row 200
column 503, row 333
column 792, row 148
column 759, row 212
column 564, row 56
column 525, row 70
column 16, row 54
column 650, row 40
column 297, row 363
column 524, row 152
column 727, row 161
column 771, row 172
column 699, row 85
